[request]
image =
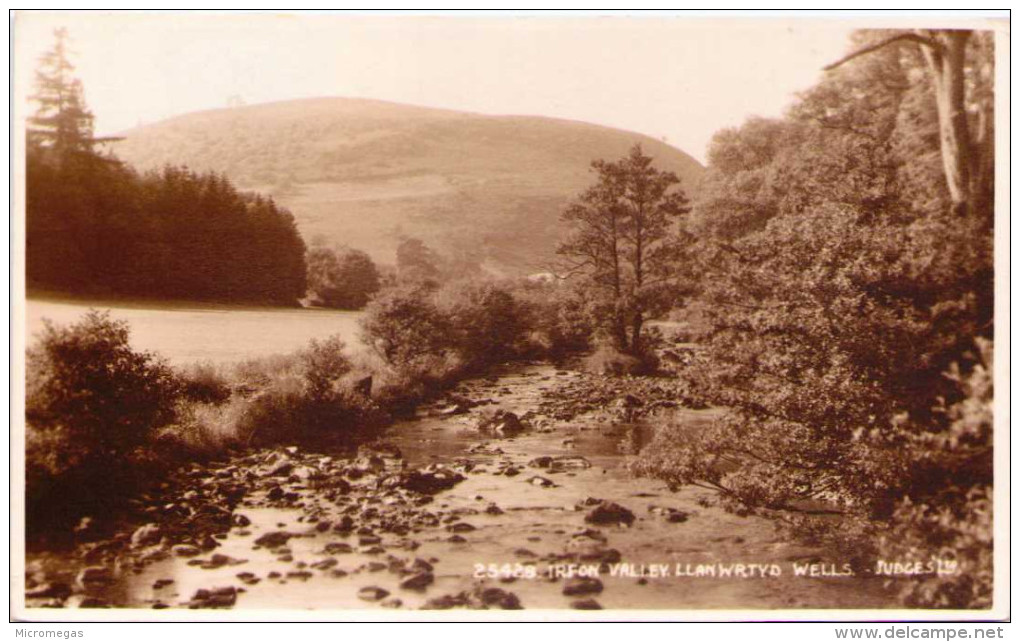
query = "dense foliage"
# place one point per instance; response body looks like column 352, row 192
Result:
column 96, row 227
column 91, row 403
column 844, row 289
column 620, row 243
column 343, row 278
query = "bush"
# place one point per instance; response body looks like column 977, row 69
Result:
column 86, row 382
column 405, row 327
column 557, row 318
column 487, row 321
column 92, row 404
column 204, row 383
column 948, row 511
column 309, row 395
column 343, row 278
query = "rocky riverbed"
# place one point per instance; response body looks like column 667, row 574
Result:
column 511, row 492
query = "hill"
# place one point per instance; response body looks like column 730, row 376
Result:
column 361, row 172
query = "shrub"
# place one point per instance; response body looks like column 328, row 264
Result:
column 487, row 322
column 343, row 278
column 404, row 326
column 205, row 429
column 305, row 396
column 86, row 382
column 204, row 383
column 92, row 405
column 557, row 318
column 948, row 511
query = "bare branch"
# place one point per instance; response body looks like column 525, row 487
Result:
column 912, row 37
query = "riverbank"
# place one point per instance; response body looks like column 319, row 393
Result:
column 544, row 517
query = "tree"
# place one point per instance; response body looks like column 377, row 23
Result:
column 842, row 325
column 965, row 121
column 62, row 123
column 343, row 278
column 620, row 240
column 417, row 261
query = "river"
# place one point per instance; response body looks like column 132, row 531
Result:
column 490, row 536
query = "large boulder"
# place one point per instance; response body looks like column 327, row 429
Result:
column 609, row 513
column 426, row 482
column 501, row 424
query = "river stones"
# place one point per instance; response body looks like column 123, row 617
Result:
column 420, row 565
column 502, row 423
column 541, row 462
column 372, row 593
column 47, row 590
column 609, row 513
column 93, row 576
column 493, row 509
column 671, row 515
column 418, row 581
column 541, row 482
column 582, row 586
column 483, row 597
column 222, row 597
column 427, row 482
column 560, row 464
column 497, row 597
column 338, row 548
column 185, row 550
column 325, row 564
column 274, row 539
column 218, row 560
column 587, row 604
column 455, row 409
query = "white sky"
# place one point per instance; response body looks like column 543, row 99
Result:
column 678, row 78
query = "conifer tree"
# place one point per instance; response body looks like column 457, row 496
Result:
column 62, row 122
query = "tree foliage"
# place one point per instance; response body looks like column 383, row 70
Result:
column 62, row 123
column 620, row 233
column 343, row 278
column 416, row 261
column 87, row 383
column 844, row 289
column 96, row 227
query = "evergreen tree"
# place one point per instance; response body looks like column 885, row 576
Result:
column 62, row 122
column 621, row 240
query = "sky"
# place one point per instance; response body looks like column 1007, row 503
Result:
column 676, row 78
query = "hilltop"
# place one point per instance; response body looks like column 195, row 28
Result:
column 365, row 172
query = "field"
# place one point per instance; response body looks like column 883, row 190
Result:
column 217, row 333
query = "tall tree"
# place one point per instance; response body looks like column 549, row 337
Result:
column 620, row 239
column 839, row 326
column 964, row 114
column 62, row 122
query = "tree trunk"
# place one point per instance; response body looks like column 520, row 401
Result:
column 946, row 64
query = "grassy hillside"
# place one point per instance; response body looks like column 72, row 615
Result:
column 362, row 172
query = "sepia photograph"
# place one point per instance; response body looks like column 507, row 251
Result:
column 468, row 315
